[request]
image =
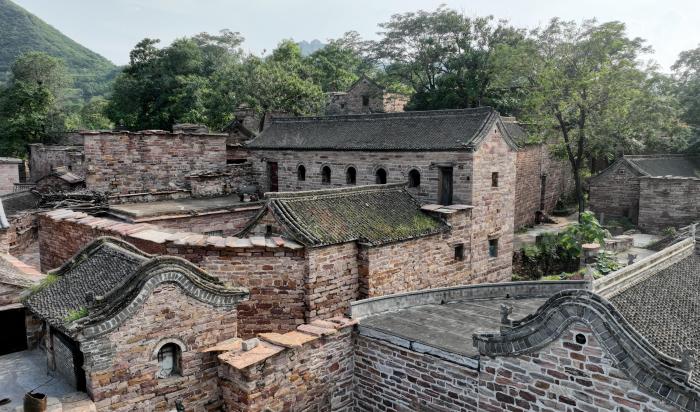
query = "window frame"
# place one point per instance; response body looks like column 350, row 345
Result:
column 493, row 248
column 494, row 179
column 301, row 173
column 349, row 174
column 377, row 177
column 414, row 178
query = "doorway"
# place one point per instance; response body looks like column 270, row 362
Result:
column 445, row 184
column 273, row 176
column 14, row 331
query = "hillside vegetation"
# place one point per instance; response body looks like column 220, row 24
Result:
column 22, row 32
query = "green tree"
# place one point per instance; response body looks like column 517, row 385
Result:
column 183, row 82
column 281, row 83
column 30, row 106
column 584, row 87
column 340, row 63
column 446, row 58
column 687, row 71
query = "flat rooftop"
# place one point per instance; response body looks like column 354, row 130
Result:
column 189, row 206
column 450, row 326
column 441, row 322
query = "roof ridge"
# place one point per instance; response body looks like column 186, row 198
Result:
column 661, row 156
column 396, row 115
column 334, row 191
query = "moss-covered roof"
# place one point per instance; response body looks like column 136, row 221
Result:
column 375, row 214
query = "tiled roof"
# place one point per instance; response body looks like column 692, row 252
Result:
column 665, row 307
column 421, row 130
column 666, row 165
column 106, row 277
column 14, row 203
column 374, row 214
column 97, row 273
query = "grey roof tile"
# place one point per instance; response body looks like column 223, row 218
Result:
column 419, row 130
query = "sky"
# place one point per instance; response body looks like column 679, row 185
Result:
column 113, row 27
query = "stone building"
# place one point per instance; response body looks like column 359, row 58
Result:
column 130, row 328
column 9, row 174
column 626, row 345
column 365, row 96
column 445, row 157
column 18, row 231
column 44, row 159
column 306, row 256
column 61, row 179
column 654, row 192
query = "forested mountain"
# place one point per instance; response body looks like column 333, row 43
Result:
column 21, row 31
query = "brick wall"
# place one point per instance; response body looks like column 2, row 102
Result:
column 317, row 376
column 615, row 193
column 9, row 175
column 63, row 360
column 332, row 281
column 379, row 101
column 148, row 161
column 564, row 375
column 121, row 366
column 274, row 278
column 223, row 181
column 493, row 213
column 21, row 234
column 423, row 263
column 391, row 378
column 44, row 158
column 396, row 164
column 534, row 161
column 668, row 202
column 229, row 223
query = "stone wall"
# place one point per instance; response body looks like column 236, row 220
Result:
column 21, row 234
column 423, row 263
column 121, row 366
column 43, row 159
column 123, row 162
column 668, row 202
column 533, row 162
column 391, row 378
column 306, row 370
column 221, row 182
column 9, row 175
column 62, row 357
column 493, row 213
column 564, row 375
column 275, row 279
column 332, row 281
column 228, row 222
column 615, row 193
column 396, row 164
column 365, row 91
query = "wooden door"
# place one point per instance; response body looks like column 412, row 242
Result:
column 272, row 172
column 445, row 186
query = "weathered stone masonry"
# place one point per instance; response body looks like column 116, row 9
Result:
column 122, row 162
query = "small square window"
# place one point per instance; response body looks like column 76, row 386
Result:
column 494, row 179
column 493, row 247
column 459, row 252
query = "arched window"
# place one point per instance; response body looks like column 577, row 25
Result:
column 380, row 176
column 413, row 178
column 301, row 173
column 351, row 176
column 326, row 175
column 169, row 360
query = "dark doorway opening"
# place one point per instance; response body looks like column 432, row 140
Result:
column 14, row 337
column 445, row 186
column 380, row 177
column 272, row 173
